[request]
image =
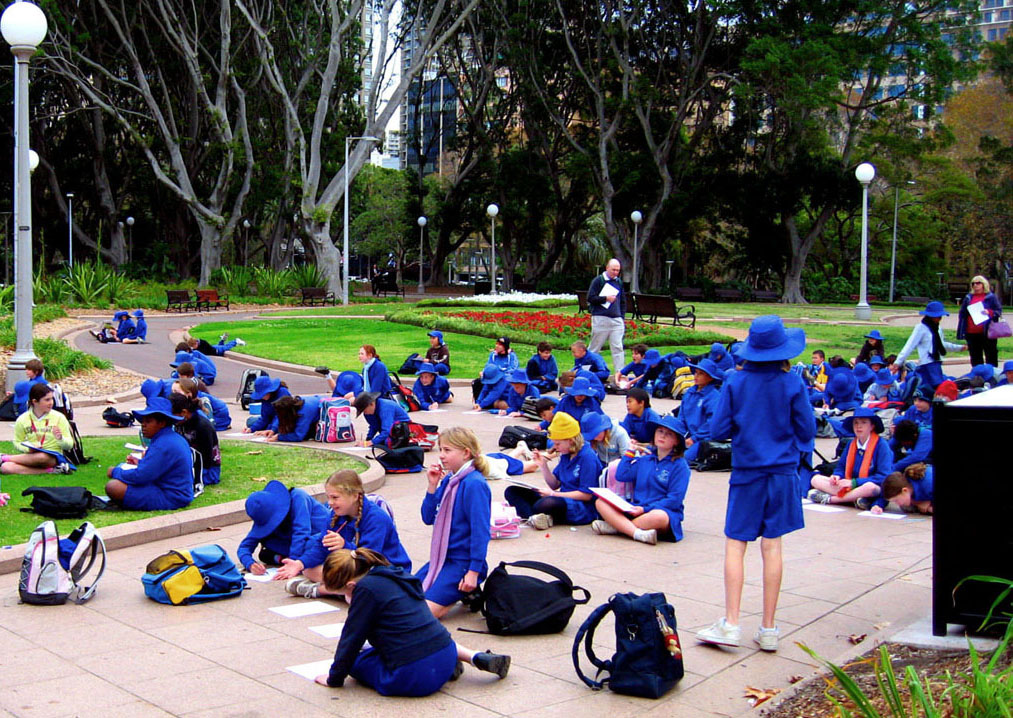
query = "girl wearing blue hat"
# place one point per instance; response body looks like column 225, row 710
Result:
column 438, row 353
column 764, row 408
column 720, row 356
column 864, row 463
column 140, row 334
column 608, row 439
column 660, row 479
column 284, row 524
column 1007, row 374
column 125, row 327
column 297, row 418
column 430, row 388
column 266, row 390
column 494, row 389
column 883, row 388
column 927, row 338
column 873, row 346
column 520, row 389
column 697, row 406
column 41, row 435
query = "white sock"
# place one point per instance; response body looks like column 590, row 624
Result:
column 640, row 535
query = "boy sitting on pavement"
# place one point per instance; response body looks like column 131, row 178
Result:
column 520, row 389
column 584, row 358
column 637, row 368
column 698, row 402
column 494, row 389
column 920, row 412
column 542, row 369
column 431, row 389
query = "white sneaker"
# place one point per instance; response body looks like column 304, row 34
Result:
column 721, row 633
column 766, row 638
column 240, row 342
column 525, row 451
column 603, row 528
column 300, row 586
column 540, row 522
column 223, row 337
column 648, row 536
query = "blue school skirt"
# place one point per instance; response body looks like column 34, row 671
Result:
column 416, row 679
column 444, row 591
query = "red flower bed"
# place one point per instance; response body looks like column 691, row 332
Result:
column 570, row 326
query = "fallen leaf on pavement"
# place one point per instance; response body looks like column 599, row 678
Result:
column 757, row 696
column 856, row 638
column 881, row 626
column 213, row 528
column 795, row 679
column 259, row 479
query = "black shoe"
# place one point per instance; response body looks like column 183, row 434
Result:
column 492, row 663
column 269, row 557
column 458, row 670
column 322, row 370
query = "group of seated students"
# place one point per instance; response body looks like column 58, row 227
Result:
column 123, row 329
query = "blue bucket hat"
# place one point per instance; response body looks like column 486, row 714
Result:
column 985, row 371
column 138, row 313
column 708, row 367
column 268, row 508
column 924, row 393
column 769, row 340
column 842, row 384
column 491, row 374
column 151, row 388
column 884, row 377
column 863, row 373
column 180, row 358
column 425, row 368
column 718, row 350
column 581, row 387
column 1008, row 366
column 874, row 334
column 736, row 351
column 120, row 315
column 669, row 422
column 348, row 382
column 678, row 362
column 436, row 333
column 934, row 309
column 593, row 423
column 157, row 405
column 876, row 359
column 519, row 376
column 863, row 412
column 652, row 357
column 263, row 386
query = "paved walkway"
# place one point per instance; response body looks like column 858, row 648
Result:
column 124, row 655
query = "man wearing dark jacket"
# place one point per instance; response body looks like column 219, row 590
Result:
column 607, row 302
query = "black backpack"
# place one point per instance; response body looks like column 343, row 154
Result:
column 648, row 658
column 245, row 394
column 75, row 454
column 519, row 605
column 61, row 502
column 117, row 419
column 534, row 439
column 714, row 456
column 7, row 410
column 405, row 460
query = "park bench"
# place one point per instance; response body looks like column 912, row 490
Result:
column 210, row 299
column 582, row 305
column 386, row 284
column 868, row 297
column 179, row 300
column 685, row 293
column 916, row 300
column 313, row 296
column 765, row 295
column 728, row 295
column 648, row 307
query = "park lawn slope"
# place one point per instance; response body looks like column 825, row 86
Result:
column 246, row 467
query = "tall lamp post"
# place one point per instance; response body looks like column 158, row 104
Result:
column 246, row 242
column 637, row 218
column 864, row 173
column 130, row 239
column 893, row 252
column 422, row 240
column 344, row 287
column 23, row 26
column 70, row 229
column 492, row 210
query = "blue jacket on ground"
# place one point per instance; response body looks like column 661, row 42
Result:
column 268, row 418
column 376, row 531
column 491, row 393
column 593, row 363
column 765, row 411
column 579, row 472
column 596, row 302
column 696, row 410
column 658, row 484
column 469, row 525
column 506, row 362
column 305, row 423
column 515, row 401
column 569, row 405
column 294, row 537
column 376, row 378
column 920, row 452
column 436, row 393
column 220, row 410
column 637, row 426
column 879, row 469
column 539, row 369
column 382, row 420
column 923, row 419
column 163, row 478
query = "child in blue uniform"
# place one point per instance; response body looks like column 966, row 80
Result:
column 698, row 402
column 542, row 369
column 912, row 490
column 634, row 371
column 578, row 399
column 125, row 327
column 284, row 524
column 660, row 481
column 639, row 415
column 584, row 358
column 200, row 434
column 864, row 463
column 883, row 388
column 494, row 389
column 458, row 506
column 354, row 521
column 865, row 377
column 842, row 392
column 266, row 390
column 566, row 500
column 911, row 443
column 381, row 416
column 163, row 479
column 765, row 410
column 720, row 356
column 375, row 377
column 410, row 653
column 140, row 333
column 431, row 389
column 1007, row 374
column 520, row 389
column 569, row 376
column 607, row 438
column 920, row 411
column 503, row 356
column 297, row 418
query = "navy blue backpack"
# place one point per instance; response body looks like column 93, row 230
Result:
column 202, row 574
column 648, row 658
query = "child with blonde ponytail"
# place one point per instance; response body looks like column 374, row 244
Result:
column 355, row 522
column 410, row 653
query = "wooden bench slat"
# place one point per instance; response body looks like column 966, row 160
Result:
column 312, row 296
column 648, row 307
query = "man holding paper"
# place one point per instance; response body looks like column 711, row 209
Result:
column 607, row 302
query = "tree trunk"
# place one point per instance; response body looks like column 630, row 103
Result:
column 328, row 256
column 210, row 250
column 800, row 247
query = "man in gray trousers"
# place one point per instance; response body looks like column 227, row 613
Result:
column 607, row 302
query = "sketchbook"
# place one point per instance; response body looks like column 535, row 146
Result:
column 611, row 497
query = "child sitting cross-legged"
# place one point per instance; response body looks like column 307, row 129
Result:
column 520, row 389
column 578, row 399
column 430, row 388
column 438, row 353
column 542, row 368
column 911, row 489
column 867, row 460
column 639, row 415
column 637, row 368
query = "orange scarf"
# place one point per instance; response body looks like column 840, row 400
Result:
column 863, row 470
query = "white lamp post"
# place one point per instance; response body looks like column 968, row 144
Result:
column 70, row 229
column 130, row 239
column 492, row 210
column 422, row 239
column 344, row 290
column 23, row 26
column 893, row 252
column 864, row 173
column 246, row 242
column 637, row 219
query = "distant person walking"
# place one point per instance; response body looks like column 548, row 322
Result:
column 607, row 302
column 973, row 328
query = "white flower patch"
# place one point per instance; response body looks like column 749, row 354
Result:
column 513, row 297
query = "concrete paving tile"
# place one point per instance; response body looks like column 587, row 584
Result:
column 266, row 658
column 25, row 621
column 828, row 637
column 137, row 709
column 159, row 661
column 515, row 692
column 891, row 602
column 801, row 610
column 839, row 591
column 723, row 693
column 280, row 705
column 104, row 638
column 600, row 703
column 199, row 690
column 24, row 661
column 61, row 696
column 13, row 644
column 221, row 631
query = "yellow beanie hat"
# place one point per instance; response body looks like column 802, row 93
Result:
column 563, row 426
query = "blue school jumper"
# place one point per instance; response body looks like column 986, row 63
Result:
column 593, row 363
column 921, row 489
column 204, row 367
column 636, row 368
column 20, row 407
column 163, row 478
column 376, row 531
column 469, row 535
column 637, row 426
column 125, row 329
column 294, row 537
column 305, row 422
column 491, row 393
column 695, row 415
column 766, row 413
column 723, row 359
column 268, row 418
column 921, row 451
column 579, row 472
column 515, row 401
column 543, row 373
column 410, row 653
column 881, row 466
column 658, row 484
column 506, row 362
column 923, row 419
column 140, row 330
column 219, row 410
column 382, row 420
column 436, row 393
column 569, row 405
column 375, row 377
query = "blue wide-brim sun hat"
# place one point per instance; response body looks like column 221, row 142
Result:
column 438, row 334
column 180, row 358
column 491, row 374
column 863, row 373
column 884, row 377
column 21, row 390
column 157, row 405
column 348, row 382
column 669, row 422
column 934, row 309
column 842, row 384
column 877, row 359
column 985, row 371
column 263, row 386
column 874, row 334
column 593, row 423
column 769, row 340
column 718, row 349
column 151, row 388
column 863, row 412
column 425, row 368
column 652, row 357
column 1008, row 366
column 138, row 313
column 708, row 367
column 519, row 376
column 581, row 387
column 268, row 508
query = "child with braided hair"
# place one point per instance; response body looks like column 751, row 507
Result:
column 355, row 521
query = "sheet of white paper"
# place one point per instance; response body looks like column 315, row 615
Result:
column 330, row 630
column 883, row 515
column 310, row 671
column 238, row 435
column 128, row 467
column 262, row 578
column 806, row 501
column 436, row 411
column 822, row 508
column 480, row 411
column 608, row 291
column 298, row 610
column 355, row 448
column 133, row 447
column 977, row 313
column 612, row 497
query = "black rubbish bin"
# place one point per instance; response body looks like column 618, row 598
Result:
column 483, row 288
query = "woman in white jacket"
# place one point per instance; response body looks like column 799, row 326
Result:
column 927, row 338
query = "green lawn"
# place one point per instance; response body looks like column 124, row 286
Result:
column 246, row 467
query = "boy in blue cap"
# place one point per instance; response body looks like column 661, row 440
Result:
column 883, row 388
column 266, row 390
column 438, row 353
column 697, row 406
column 764, row 408
column 494, row 389
column 140, row 335
column 520, row 389
column 542, row 369
column 927, row 338
column 431, row 389
column 920, row 412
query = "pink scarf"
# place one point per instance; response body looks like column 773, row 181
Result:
column 441, row 527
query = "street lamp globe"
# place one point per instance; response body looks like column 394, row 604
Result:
column 492, row 210
column 422, row 221
column 865, row 173
column 130, row 221
column 33, row 160
column 636, row 216
column 23, row 24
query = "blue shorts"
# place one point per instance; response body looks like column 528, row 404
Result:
column 768, row 506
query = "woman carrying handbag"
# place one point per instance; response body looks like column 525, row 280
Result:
column 981, row 336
